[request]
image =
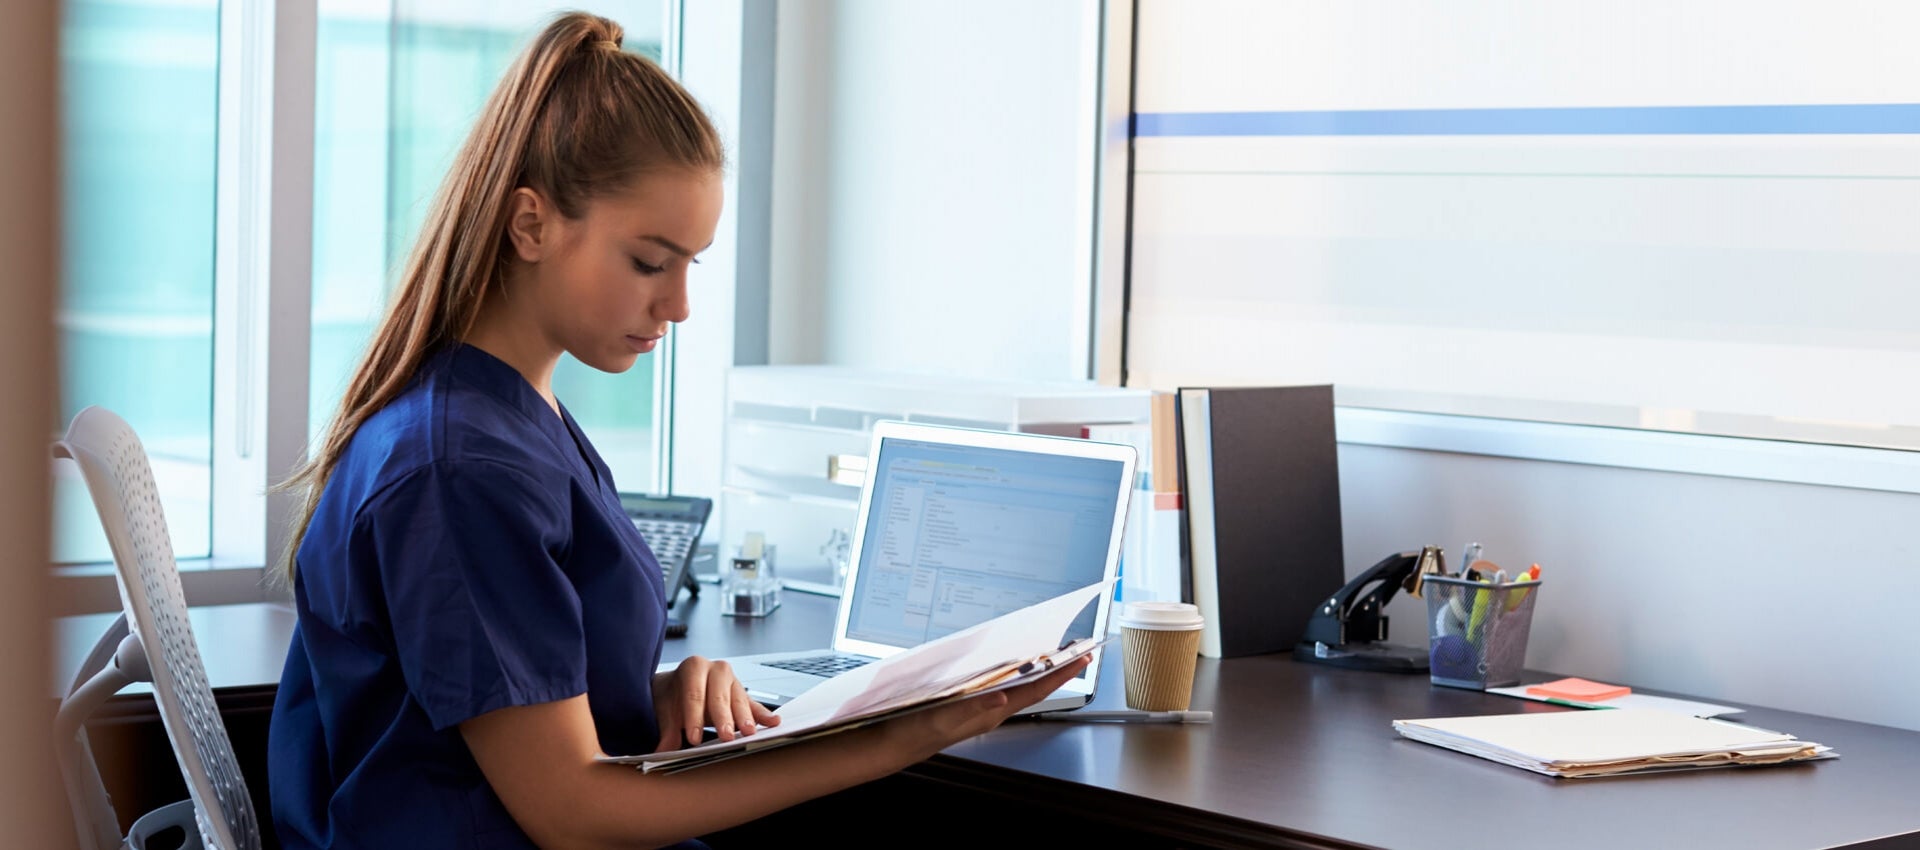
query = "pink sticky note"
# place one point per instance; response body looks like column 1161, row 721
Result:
column 1578, row 690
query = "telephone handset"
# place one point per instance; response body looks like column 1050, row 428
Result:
column 671, row 525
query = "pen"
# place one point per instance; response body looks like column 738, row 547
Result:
column 1468, row 556
column 1129, row 716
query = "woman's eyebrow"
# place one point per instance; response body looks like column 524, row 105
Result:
column 668, row 244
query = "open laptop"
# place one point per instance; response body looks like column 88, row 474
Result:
column 957, row 526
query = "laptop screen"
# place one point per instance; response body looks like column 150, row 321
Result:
column 957, row 534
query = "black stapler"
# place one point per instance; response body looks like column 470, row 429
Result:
column 1349, row 629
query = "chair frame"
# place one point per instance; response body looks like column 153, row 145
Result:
column 151, row 641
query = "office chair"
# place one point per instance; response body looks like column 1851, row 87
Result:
column 151, row 641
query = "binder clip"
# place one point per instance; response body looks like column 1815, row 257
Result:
column 1349, row 629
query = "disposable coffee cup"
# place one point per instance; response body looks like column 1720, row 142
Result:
column 1159, row 643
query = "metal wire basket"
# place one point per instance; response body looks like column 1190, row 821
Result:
column 1478, row 634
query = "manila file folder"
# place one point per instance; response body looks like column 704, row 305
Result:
column 1602, row 742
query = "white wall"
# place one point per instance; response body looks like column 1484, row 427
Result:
column 1746, row 590
column 932, row 172
column 920, row 221
column 1785, row 595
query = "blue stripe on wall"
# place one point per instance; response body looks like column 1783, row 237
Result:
column 1567, row 121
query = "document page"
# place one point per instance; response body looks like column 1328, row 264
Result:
column 920, row 676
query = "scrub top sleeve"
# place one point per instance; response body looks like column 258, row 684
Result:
column 469, row 559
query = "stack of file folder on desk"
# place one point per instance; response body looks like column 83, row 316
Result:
column 1609, row 742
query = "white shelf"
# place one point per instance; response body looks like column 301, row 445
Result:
column 853, row 399
column 784, row 422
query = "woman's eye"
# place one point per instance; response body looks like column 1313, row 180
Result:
column 646, row 268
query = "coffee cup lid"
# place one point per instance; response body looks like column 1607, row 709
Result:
column 1162, row 616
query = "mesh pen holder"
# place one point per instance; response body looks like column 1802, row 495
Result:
column 1478, row 636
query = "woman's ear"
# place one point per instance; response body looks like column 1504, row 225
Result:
column 529, row 224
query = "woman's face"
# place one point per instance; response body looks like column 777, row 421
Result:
column 617, row 276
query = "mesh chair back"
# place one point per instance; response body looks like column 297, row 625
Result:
column 120, row 479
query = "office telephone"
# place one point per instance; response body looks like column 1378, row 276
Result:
column 671, row 525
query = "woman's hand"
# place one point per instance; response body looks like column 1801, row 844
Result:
column 925, row 733
column 700, row 693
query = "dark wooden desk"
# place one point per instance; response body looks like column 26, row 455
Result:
column 242, row 646
column 1298, row 756
column 1302, row 755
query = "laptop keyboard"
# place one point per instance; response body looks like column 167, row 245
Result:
column 824, row 666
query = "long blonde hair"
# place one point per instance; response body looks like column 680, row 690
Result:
column 574, row 118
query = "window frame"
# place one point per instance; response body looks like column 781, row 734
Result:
column 263, row 285
column 263, row 272
column 708, row 55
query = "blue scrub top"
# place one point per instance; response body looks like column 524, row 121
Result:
column 468, row 553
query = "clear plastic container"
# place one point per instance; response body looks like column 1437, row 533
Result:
column 750, row 587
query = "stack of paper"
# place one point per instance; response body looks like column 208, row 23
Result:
column 1603, row 743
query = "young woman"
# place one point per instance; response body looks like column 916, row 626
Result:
column 477, row 618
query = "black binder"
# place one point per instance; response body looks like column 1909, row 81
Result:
column 1261, row 548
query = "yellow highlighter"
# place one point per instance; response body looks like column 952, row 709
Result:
column 1515, row 596
column 1479, row 615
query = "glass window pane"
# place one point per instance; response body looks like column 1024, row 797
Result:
column 350, row 268
column 397, row 91
column 138, row 98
